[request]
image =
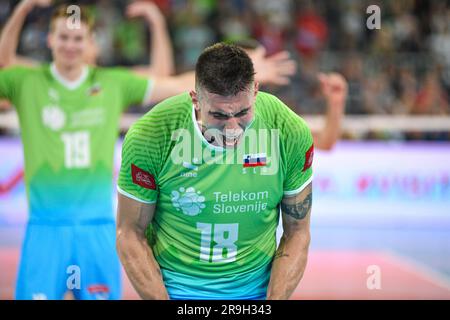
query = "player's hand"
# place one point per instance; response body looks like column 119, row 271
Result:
column 335, row 89
column 146, row 10
column 274, row 69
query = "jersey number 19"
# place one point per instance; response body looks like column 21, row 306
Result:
column 77, row 152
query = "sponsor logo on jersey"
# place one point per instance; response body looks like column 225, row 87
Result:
column 309, row 155
column 53, row 117
column 100, row 291
column 88, row 117
column 189, row 174
column 142, row 178
column 240, row 202
column 190, row 166
column 254, row 160
column 189, row 201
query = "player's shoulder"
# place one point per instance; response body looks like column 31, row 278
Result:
column 181, row 103
column 277, row 115
column 27, row 70
column 164, row 118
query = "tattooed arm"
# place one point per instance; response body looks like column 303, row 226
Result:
column 135, row 254
column 290, row 259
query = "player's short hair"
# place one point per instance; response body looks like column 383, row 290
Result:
column 224, row 69
column 86, row 15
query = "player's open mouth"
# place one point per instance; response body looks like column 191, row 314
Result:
column 231, row 140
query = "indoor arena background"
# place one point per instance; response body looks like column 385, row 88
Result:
column 381, row 209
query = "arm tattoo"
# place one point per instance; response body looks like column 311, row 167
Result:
column 280, row 254
column 298, row 210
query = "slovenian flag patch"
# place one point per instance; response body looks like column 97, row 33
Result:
column 255, row 160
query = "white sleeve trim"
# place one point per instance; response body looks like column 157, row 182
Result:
column 148, row 92
column 298, row 190
column 126, row 194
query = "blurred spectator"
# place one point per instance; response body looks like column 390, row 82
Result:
column 192, row 34
column 106, row 18
column 431, row 98
column 311, row 33
column 352, row 69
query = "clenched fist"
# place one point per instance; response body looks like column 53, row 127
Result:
column 334, row 88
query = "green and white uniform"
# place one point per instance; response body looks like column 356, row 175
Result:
column 213, row 233
column 69, row 131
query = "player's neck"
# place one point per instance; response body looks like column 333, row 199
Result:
column 69, row 73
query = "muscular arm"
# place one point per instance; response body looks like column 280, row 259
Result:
column 9, row 38
column 135, row 254
column 165, row 87
column 334, row 89
column 326, row 138
column 290, row 259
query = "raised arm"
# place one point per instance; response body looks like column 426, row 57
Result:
column 161, row 52
column 334, row 88
column 9, row 38
column 290, row 259
column 136, row 256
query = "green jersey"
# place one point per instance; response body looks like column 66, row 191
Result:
column 216, row 209
column 69, row 131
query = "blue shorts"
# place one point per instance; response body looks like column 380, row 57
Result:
column 81, row 258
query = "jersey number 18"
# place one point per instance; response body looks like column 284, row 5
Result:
column 224, row 236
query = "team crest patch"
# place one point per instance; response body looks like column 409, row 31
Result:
column 254, row 160
column 309, row 155
column 53, row 117
column 94, row 90
column 143, row 178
